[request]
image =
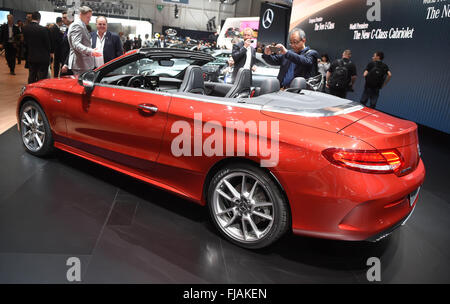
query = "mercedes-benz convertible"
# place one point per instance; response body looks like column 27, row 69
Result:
column 264, row 161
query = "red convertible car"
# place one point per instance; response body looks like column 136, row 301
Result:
column 264, row 161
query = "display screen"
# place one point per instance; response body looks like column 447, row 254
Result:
column 414, row 36
column 3, row 16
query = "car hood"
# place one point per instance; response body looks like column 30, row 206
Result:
column 64, row 83
column 313, row 109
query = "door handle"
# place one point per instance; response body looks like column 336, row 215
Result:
column 148, row 108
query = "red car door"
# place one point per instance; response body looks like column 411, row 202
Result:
column 123, row 125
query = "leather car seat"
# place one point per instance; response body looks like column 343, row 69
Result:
column 298, row 83
column 268, row 85
column 193, row 81
column 241, row 84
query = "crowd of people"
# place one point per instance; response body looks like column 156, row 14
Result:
column 338, row 77
column 69, row 47
column 78, row 49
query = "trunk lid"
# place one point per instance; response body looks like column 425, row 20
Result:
column 383, row 131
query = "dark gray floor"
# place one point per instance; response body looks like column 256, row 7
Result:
column 125, row 231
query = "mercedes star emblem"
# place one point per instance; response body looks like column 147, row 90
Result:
column 267, row 18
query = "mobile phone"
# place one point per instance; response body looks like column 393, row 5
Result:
column 274, row 49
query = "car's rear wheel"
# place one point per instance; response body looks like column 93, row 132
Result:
column 247, row 206
column 35, row 129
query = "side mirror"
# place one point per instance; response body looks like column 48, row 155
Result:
column 87, row 80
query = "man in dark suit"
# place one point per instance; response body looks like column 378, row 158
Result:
column 301, row 61
column 9, row 39
column 128, row 44
column 65, row 47
column 20, row 48
column 57, row 41
column 244, row 55
column 105, row 42
column 37, row 39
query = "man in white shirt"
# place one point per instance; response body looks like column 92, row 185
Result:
column 244, row 55
column 106, row 42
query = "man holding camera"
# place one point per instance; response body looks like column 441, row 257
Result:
column 244, row 55
column 301, row 61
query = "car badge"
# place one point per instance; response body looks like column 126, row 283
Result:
column 267, row 18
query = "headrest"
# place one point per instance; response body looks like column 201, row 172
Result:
column 241, row 84
column 193, row 80
column 269, row 85
column 298, row 83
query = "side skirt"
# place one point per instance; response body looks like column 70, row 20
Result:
column 104, row 162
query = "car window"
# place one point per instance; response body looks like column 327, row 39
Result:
column 223, row 55
column 150, row 67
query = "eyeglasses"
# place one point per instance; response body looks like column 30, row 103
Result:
column 295, row 42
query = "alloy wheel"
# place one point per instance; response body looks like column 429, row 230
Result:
column 243, row 208
column 32, row 127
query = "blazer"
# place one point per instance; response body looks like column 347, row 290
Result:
column 65, row 48
column 80, row 58
column 37, row 41
column 4, row 33
column 239, row 55
column 306, row 63
column 56, row 40
column 112, row 47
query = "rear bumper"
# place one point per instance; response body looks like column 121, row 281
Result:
column 353, row 206
column 391, row 229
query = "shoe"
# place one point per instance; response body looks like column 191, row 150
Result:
column 12, row 73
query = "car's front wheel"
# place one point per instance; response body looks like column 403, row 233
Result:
column 35, row 129
column 247, row 206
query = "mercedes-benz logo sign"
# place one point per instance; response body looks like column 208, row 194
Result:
column 267, row 18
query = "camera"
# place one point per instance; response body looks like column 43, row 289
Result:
column 274, row 49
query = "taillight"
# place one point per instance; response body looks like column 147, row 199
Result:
column 368, row 161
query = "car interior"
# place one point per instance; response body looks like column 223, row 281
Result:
column 191, row 80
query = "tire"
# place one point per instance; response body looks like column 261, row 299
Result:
column 253, row 216
column 35, row 130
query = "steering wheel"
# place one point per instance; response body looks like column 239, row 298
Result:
column 122, row 82
column 136, row 81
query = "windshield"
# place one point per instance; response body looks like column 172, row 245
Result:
column 149, row 67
